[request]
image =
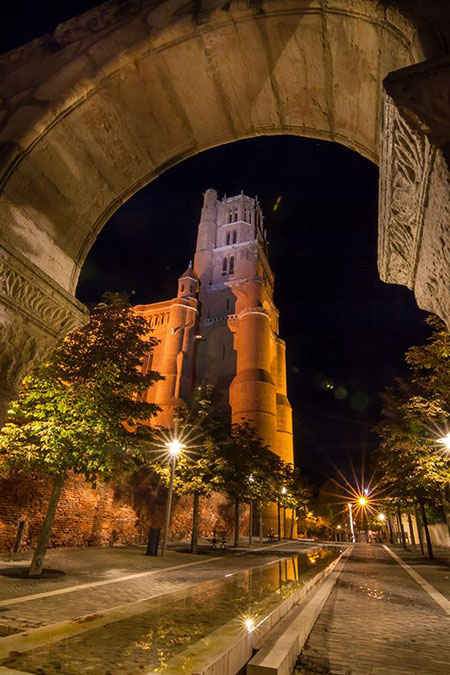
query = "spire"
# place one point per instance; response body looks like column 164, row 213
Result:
column 189, row 273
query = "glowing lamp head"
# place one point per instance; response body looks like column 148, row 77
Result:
column 283, row 490
column 249, row 623
column 362, row 501
column 174, row 448
column 381, row 517
column 445, row 441
column 338, row 527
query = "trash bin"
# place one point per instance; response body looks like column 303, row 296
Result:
column 153, row 541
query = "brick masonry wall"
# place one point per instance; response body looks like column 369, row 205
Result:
column 104, row 514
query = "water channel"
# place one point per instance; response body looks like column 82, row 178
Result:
column 172, row 622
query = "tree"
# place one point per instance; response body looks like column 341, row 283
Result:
column 296, row 496
column 407, row 456
column 198, row 468
column 431, row 372
column 82, row 411
column 248, row 468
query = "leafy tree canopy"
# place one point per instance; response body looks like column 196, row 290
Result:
column 82, row 409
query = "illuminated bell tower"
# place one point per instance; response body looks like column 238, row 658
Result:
column 241, row 352
column 222, row 328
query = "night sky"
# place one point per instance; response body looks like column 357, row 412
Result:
column 344, row 328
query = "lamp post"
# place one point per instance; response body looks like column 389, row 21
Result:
column 382, row 519
column 250, row 515
column 284, row 492
column 351, row 522
column 174, row 447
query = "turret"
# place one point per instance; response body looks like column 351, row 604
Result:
column 206, row 239
column 188, row 283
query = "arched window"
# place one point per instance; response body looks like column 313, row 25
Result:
column 231, row 270
column 230, row 215
column 234, row 236
column 182, row 287
column 224, row 266
column 228, row 239
column 228, row 303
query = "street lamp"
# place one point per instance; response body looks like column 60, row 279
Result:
column 362, row 501
column 352, row 529
column 174, row 447
column 381, row 517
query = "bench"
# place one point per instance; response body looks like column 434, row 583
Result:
column 220, row 542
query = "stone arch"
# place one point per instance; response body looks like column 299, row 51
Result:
column 116, row 96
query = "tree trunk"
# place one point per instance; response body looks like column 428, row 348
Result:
column 250, row 523
column 279, row 520
column 411, row 532
column 236, row 523
column 291, row 534
column 402, row 531
column 430, row 553
column 261, row 525
column 194, row 536
column 419, row 529
column 391, row 532
column 37, row 562
column 446, row 504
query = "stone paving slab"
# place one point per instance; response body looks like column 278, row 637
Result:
column 436, row 572
column 378, row 621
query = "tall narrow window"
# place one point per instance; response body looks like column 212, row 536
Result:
column 228, row 239
column 224, row 266
column 228, row 303
column 234, row 236
column 231, row 270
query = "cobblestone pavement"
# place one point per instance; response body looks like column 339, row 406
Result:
column 97, row 565
column 379, row 621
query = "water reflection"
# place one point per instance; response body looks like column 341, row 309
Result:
column 149, row 640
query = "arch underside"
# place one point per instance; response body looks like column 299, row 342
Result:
column 118, row 95
column 99, row 124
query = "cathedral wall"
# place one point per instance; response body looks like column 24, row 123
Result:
column 86, row 516
column 103, row 515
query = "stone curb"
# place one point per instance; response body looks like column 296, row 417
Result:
column 277, row 656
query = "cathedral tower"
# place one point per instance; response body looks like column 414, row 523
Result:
column 222, row 329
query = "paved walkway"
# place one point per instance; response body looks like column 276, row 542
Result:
column 378, row 620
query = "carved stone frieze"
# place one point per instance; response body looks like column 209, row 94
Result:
column 34, row 314
column 407, row 159
column 37, row 297
column 414, row 218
